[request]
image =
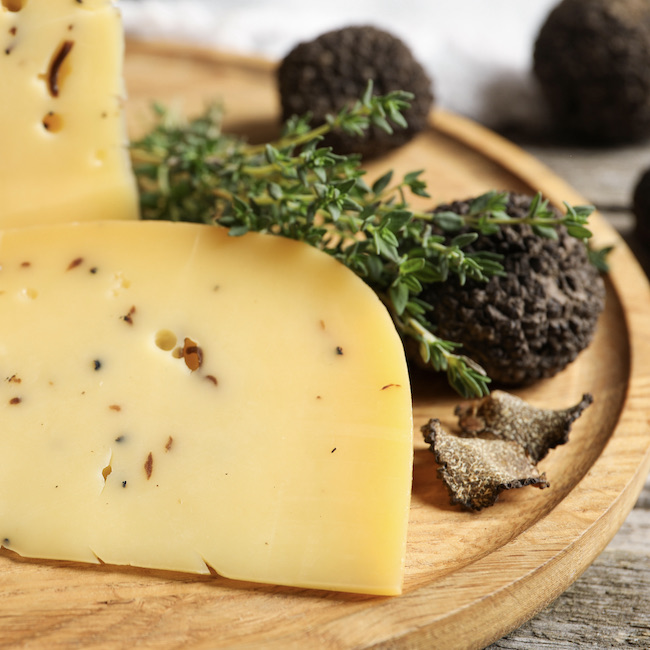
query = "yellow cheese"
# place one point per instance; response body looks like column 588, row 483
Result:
column 63, row 153
column 173, row 397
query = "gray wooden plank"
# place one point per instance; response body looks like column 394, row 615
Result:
column 608, row 606
column 604, row 176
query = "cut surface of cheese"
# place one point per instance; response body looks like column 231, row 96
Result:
column 63, row 146
column 175, row 398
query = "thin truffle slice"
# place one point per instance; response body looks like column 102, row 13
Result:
column 508, row 417
column 476, row 470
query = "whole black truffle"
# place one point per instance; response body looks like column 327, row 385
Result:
column 641, row 207
column 532, row 322
column 592, row 60
column 326, row 74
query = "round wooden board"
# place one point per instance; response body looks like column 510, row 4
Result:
column 470, row 577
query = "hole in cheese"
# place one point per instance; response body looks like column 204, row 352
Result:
column 108, row 469
column 119, row 283
column 165, row 340
column 53, row 122
column 100, row 157
column 13, row 5
column 29, row 293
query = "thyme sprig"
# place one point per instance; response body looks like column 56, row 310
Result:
column 487, row 214
column 297, row 188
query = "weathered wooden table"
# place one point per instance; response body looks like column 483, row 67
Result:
column 609, row 605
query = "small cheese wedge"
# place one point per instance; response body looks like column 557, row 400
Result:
column 173, row 397
column 63, row 146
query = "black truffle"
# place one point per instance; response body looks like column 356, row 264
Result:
column 641, row 207
column 592, row 60
column 324, row 75
column 533, row 321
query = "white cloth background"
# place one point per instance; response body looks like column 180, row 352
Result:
column 477, row 52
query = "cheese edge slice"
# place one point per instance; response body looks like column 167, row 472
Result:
column 285, row 457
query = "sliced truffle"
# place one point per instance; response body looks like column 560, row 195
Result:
column 476, row 470
column 508, row 417
column 533, row 321
column 502, row 439
column 326, row 74
column 592, row 61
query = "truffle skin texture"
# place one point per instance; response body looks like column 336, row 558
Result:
column 532, row 322
column 476, row 470
column 324, row 75
column 592, row 60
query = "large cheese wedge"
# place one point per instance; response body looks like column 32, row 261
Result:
column 63, row 154
column 173, row 397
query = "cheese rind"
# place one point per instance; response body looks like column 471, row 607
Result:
column 62, row 126
column 173, row 397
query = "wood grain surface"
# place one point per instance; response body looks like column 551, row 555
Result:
column 470, row 577
column 608, row 606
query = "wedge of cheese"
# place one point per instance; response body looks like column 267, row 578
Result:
column 63, row 154
column 173, row 397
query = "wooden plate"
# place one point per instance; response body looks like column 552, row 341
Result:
column 470, row 577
